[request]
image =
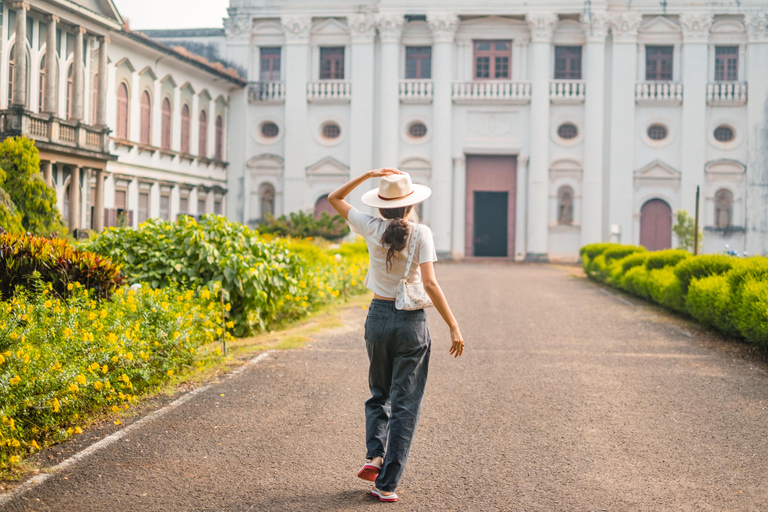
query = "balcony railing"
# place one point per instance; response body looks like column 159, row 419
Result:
column 659, row 92
column 266, row 92
column 727, row 93
column 416, row 91
column 330, row 91
column 491, row 91
column 566, row 91
column 46, row 129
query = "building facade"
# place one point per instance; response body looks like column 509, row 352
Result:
column 127, row 128
column 540, row 128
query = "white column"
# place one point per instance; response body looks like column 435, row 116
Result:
column 542, row 25
column 694, row 131
column 176, row 120
column 194, row 125
column 443, row 28
column 390, row 28
column 49, row 101
column 521, row 207
column 458, row 238
column 74, row 198
column 757, row 144
column 98, row 207
column 20, row 66
column 623, row 79
column 78, row 76
column 296, row 130
column 156, row 132
column 593, row 227
column 101, row 106
column 134, row 106
column 362, row 29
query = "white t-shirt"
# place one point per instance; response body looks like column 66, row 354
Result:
column 378, row 280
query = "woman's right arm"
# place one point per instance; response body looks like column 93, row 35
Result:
column 336, row 198
column 441, row 304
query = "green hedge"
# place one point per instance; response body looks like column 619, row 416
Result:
column 725, row 293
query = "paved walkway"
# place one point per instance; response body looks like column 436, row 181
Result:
column 568, row 398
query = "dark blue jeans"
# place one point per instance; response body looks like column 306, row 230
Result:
column 398, row 346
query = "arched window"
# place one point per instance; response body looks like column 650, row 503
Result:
column 146, row 118
column 70, row 71
column 219, row 150
column 185, row 129
column 723, row 208
column 166, row 142
column 11, row 69
column 565, row 205
column 122, row 111
column 203, row 141
column 41, row 84
column 267, row 197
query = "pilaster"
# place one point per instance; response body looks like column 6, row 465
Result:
column 521, row 207
column 78, row 75
column 458, row 235
column 101, row 106
column 443, row 27
column 98, row 207
column 541, row 25
column 49, row 99
column 74, row 198
column 390, row 29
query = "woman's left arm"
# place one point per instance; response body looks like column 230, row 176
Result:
column 336, row 198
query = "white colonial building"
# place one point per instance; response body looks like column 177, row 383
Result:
column 539, row 126
column 126, row 127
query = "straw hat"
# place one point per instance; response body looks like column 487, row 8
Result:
column 396, row 191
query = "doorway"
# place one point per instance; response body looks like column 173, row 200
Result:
column 490, row 210
column 491, row 223
column 656, row 225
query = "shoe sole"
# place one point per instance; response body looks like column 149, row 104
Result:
column 386, row 499
column 368, row 474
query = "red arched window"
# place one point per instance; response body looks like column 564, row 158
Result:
column 146, row 118
column 11, row 69
column 203, row 142
column 185, row 129
column 166, row 142
column 122, row 111
column 41, row 84
column 219, row 151
column 69, row 90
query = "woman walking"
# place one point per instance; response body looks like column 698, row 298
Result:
column 397, row 340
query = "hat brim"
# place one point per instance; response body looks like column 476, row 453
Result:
column 420, row 193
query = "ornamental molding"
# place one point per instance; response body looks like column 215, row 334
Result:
column 625, row 25
column 237, row 25
column 596, row 25
column 695, row 26
column 390, row 27
column 362, row 28
column 542, row 26
column 756, row 27
column 443, row 26
column 296, row 28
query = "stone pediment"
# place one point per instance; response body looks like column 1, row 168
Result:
column 729, row 26
column 127, row 63
column 149, row 72
column 659, row 25
column 724, row 167
column 268, row 28
column 328, row 166
column 168, row 79
column 106, row 8
column 330, row 27
column 565, row 164
column 265, row 161
column 657, row 174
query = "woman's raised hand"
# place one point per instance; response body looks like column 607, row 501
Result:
column 386, row 171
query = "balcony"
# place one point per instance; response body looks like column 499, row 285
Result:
column 492, row 92
column 566, row 91
column 56, row 134
column 266, row 92
column 329, row 91
column 727, row 93
column 416, row 91
column 655, row 93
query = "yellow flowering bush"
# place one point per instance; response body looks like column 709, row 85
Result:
column 61, row 358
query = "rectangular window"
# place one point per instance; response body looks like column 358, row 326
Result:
column 201, row 205
column 217, row 206
column 270, row 64
column 658, row 62
column 143, row 206
column 418, row 62
column 120, row 199
column 567, row 62
column 332, row 63
column 183, row 205
column 492, row 60
column 165, row 207
column 726, row 63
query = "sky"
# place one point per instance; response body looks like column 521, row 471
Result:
column 154, row 14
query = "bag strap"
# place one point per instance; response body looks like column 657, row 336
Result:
column 411, row 251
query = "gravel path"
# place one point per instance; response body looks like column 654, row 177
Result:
column 568, row 398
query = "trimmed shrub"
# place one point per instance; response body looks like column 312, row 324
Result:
column 635, row 281
column 591, row 251
column 303, row 224
column 56, row 262
column 751, row 314
column 620, row 252
column 749, row 269
column 664, row 288
column 667, row 258
column 702, row 266
column 710, row 301
column 598, row 269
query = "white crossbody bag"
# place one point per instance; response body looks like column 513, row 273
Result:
column 411, row 296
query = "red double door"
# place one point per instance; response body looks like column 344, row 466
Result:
column 656, row 225
column 490, row 214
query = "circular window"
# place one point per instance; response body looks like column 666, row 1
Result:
column 417, row 130
column 567, row 131
column 724, row 134
column 331, row 131
column 657, row 132
column 270, row 130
